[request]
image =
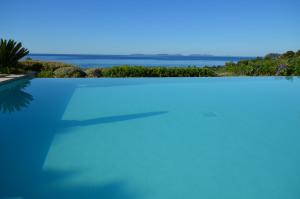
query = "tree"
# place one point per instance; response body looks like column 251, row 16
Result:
column 272, row 56
column 10, row 53
column 288, row 54
column 298, row 53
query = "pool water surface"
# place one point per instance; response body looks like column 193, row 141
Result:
column 151, row 138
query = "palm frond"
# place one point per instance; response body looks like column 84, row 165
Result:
column 11, row 52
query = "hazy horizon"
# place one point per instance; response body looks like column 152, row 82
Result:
column 138, row 54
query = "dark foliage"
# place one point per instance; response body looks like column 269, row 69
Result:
column 288, row 55
column 13, row 97
column 10, row 53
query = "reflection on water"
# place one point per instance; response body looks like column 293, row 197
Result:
column 13, row 97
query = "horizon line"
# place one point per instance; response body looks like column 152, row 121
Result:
column 142, row 54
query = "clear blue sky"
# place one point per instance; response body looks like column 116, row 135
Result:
column 219, row 27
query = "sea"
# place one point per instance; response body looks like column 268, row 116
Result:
column 164, row 60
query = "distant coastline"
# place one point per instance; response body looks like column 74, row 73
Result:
column 147, row 60
column 148, row 56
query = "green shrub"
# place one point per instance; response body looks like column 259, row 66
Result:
column 272, row 56
column 297, row 71
column 37, row 66
column 45, row 74
column 94, row 72
column 69, row 72
column 288, row 55
column 140, row 71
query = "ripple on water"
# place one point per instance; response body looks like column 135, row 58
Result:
column 209, row 114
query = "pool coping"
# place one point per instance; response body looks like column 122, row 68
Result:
column 4, row 79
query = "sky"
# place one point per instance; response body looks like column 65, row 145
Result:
column 215, row 27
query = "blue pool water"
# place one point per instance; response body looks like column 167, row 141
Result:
column 137, row 60
column 174, row 138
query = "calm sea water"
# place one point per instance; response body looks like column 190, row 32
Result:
column 174, row 138
column 141, row 60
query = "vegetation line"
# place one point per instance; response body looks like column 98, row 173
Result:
column 286, row 64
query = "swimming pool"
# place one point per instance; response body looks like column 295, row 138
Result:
column 145, row 138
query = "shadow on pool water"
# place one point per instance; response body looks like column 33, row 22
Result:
column 112, row 119
column 42, row 185
column 25, row 142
